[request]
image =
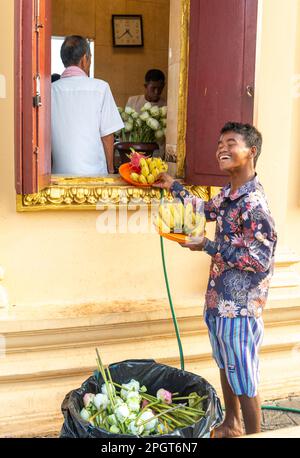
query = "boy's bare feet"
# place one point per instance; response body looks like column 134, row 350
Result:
column 226, row 431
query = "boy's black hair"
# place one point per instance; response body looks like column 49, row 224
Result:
column 154, row 75
column 73, row 49
column 55, row 77
column 250, row 134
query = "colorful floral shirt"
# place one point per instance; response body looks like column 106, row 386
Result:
column 242, row 252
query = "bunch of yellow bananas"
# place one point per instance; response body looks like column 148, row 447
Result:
column 150, row 169
column 181, row 219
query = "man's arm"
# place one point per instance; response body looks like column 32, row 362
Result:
column 108, row 145
column 253, row 249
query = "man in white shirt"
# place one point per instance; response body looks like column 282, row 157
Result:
column 84, row 116
column 154, row 85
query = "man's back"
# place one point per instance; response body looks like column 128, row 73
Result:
column 83, row 111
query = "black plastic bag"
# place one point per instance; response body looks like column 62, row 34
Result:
column 153, row 376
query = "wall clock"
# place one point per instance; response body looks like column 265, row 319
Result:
column 127, row 30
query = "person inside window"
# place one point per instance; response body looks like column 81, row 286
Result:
column 154, row 85
column 84, row 116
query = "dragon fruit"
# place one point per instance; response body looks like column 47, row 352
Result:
column 135, row 161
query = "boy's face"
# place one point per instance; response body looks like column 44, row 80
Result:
column 153, row 90
column 233, row 154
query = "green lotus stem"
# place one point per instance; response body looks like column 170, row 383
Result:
column 143, row 410
column 172, row 419
column 108, row 387
column 160, row 414
column 96, row 414
column 110, row 394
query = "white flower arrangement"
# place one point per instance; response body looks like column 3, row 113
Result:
column 129, row 409
column 147, row 127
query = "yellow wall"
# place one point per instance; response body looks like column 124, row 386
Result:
column 59, row 258
column 124, row 69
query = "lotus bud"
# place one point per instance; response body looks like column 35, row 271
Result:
column 133, row 385
column 144, row 116
column 101, row 401
column 134, row 115
column 132, row 416
column 114, row 429
column 145, row 403
column 129, row 110
column 164, row 396
column 163, row 111
column 124, row 116
column 147, row 415
column 122, row 412
column 118, row 401
column 153, row 123
column 85, row 415
column 154, row 111
column 147, row 106
column 88, row 398
column 133, row 402
column 159, row 134
column 112, row 419
column 135, row 429
column 111, row 388
column 128, row 126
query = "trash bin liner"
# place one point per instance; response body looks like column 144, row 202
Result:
column 153, row 376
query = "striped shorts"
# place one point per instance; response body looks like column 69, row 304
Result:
column 235, row 343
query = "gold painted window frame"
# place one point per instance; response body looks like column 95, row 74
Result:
column 79, row 193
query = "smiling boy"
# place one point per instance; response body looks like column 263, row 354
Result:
column 241, row 269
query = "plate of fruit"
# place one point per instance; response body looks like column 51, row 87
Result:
column 182, row 222
column 141, row 170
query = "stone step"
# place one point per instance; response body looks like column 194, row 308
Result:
column 57, row 361
column 45, row 359
column 36, row 407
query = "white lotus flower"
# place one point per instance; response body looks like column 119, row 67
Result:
column 122, row 412
column 135, row 429
column 112, row 419
column 85, row 415
column 144, row 116
column 129, row 110
column 114, row 429
column 146, row 107
column 153, row 123
column 111, row 386
column 124, row 116
column 147, row 415
column 138, row 122
column 159, row 134
column 133, row 385
column 101, row 400
column 133, row 403
column 128, row 126
column 163, row 111
column 155, row 111
column 118, row 401
column 88, row 398
column 132, row 416
column 134, row 115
